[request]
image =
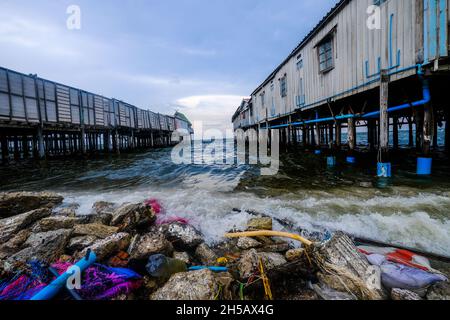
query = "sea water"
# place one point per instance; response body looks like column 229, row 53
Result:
column 406, row 210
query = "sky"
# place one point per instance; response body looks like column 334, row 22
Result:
column 200, row 57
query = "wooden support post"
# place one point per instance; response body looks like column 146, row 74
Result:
column 395, row 132
column 428, row 129
column 371, row 134
column 351, row 131
column 5, row 149
column 419, row 129
column 317, row 135
column 338, row 134
column 410, row 132
column 384, row 117
column 106, row 137
column 64, row 144
column 25, row 147
column 435, row 131
column 16, row 148
column 331, row 133
column 304, row 136
column 447, row 132
column 82, row 141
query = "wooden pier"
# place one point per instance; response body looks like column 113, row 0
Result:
column 345, row 77
column 41, row 118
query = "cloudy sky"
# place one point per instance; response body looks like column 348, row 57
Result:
column 200, row 57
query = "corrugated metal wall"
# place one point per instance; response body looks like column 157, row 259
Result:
column 28, row 99
column 356, row 52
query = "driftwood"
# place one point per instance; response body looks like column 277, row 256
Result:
column 343, row 268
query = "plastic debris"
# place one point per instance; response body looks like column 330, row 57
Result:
column 154, row 205
column 394, row 275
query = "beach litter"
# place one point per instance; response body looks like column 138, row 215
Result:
column 157, row 255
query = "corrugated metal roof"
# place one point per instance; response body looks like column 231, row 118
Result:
column 338, row 7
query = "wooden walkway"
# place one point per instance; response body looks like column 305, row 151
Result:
column 41, row 118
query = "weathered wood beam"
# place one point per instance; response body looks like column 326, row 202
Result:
column 384, row 117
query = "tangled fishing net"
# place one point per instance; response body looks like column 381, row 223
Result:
column 98, row 282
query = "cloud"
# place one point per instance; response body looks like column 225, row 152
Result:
column 28, row 33
column 215, row 111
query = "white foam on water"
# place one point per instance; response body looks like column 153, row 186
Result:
column 413, row 220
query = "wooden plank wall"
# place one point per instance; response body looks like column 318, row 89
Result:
column 354, row 45
column 31, row 100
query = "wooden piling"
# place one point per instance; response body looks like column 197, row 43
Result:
column 25, row 147
column 338, row 134
column 395, row 133
column 317, row 135
column 418, row 118
column 384, row 117
column 82, row 141
column 351, row 134
column 447, row 132
column 16, row 148
column 428, row 128
column 5, row 149
column 410, row 132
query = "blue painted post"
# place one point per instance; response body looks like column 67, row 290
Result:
column 384, row 167
column 384, row 170
column 351, row 160
column 331, row 161
column 424, row 166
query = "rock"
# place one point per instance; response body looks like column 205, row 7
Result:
column 196, row 285
column 264, row 223
column 130, row 217
column 11, row 226
column 366, row 184
column 102, row 218
column 103, row 207
column 105, row 248
column 80, row 243
column 345, row 269
column 98, row 230
column 400, row 294
column 205, row 254
column 55, row 223
column 182, row 236
column 248, row 243
column 182, row 256
column 69, row 210
column 14, row 244
column 272, row 260
column 149, row 244
column 276, row 247
column 44, row 246
column 294, row 254
column 15, row 203
column 439, row 291
column 249, row 262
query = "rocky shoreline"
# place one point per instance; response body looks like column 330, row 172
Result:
column 35, row 227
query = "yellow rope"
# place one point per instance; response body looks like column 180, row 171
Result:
column 265, row 280
column 267, row 233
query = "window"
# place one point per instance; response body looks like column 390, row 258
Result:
column 283, row 86
column 378, row 2
column 299, row 62
column 263, row 99
column 325, row 51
